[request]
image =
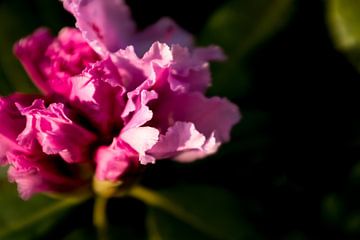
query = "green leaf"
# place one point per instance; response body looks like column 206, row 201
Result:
column 194, row 212
column 344, row 23
column 26, row 220
column 238, row 27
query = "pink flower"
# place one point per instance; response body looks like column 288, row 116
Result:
column 113, row 99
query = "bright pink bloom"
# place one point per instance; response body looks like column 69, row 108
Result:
column 114, row 99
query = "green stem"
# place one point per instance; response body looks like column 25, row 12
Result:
column 99, row 217
column 156, row 200
column 26, row 222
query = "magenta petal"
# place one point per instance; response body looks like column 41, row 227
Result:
column 55, row 132
column 30, row 51
column 113, row 161
column 39, row 175
column 12, row 122
column 106, row 25
column 98, row 94
column 180, row 137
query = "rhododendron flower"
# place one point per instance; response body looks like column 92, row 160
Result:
column 113, row 99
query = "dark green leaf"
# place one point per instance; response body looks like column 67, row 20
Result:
column 210, row 213
column 344, row 23
column 26, row 220
column 238, row 27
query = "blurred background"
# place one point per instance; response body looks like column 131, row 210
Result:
column 293, row 69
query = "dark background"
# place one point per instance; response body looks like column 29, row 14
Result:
column 293, row 160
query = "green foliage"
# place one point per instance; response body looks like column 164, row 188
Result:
column 26, row 220
column 344, row 23
column 238, row 27
column 195, row 212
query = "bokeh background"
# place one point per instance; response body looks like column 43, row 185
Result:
column 293, row 162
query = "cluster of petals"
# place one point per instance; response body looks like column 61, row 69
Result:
column 113, row 99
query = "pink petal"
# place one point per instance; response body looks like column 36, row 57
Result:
column 106, row 25
column 164, row 31
column 141, row 139
column 12, row 122
column 55, row 132
column 40, row 175
column 180, row 137
column 50, row 62
column 114, row 162
column 136, row 112
column 209, row 115
column 98, row 94
column 30, row 51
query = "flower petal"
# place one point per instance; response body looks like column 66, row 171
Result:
column 209, row 115
column 106, row 25
column 12, row 122
column 141, row 139
column 30, row 51
column 180, row 137
column 55, row 132
column 40, row 175
column 114, row 161
column 98, row 94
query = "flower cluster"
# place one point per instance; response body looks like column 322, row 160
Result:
column 113, row 99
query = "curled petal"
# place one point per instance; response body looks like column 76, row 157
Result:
column 141, row 139
column 108, row 27
column 98, row 94
column 210, row 115
column 40, row 175
column 180, row 137
column 55, row 132
column 114, row 161
column 30, row 51
column 12, row 122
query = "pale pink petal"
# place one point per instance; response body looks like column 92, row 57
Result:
column 210, row 147
column 141, row 139
column 209, row 115
column 108, row 27
column 136, row 112
column 164, row 31
column 180, row 137
column 55, row 132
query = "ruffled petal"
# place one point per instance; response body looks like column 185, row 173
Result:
column 141, row 139
column 40, row 175
column 98, row 94
column 180, row 137
column 50, row 62
column 210, row 115
column 114, row 162
column 12, row 122
column 55, row 132
column 31, row 51
column 106, row 25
